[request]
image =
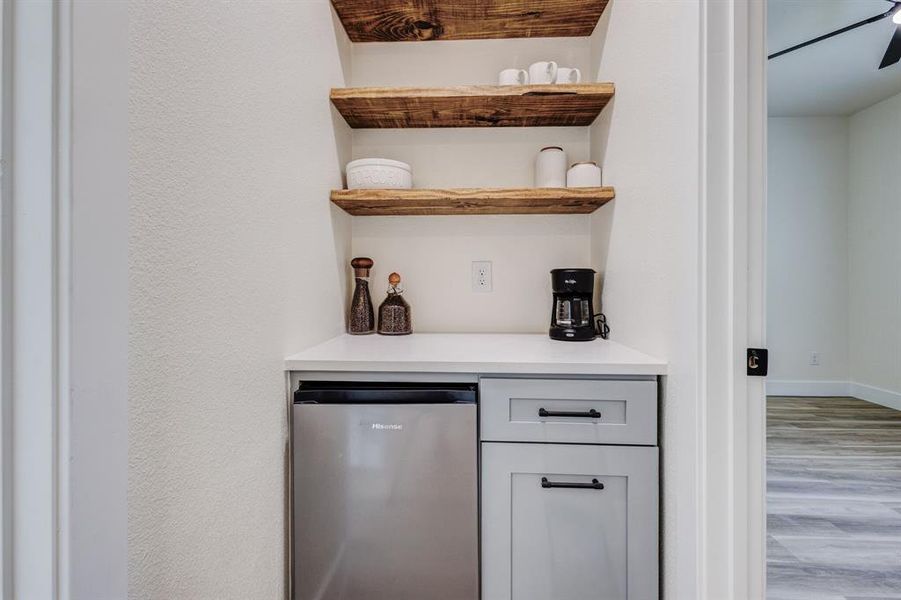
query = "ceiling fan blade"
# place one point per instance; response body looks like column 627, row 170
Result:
column 893, row 52
column 831, row 34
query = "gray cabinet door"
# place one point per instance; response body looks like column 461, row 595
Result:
column 513, row 410
column 569, row 543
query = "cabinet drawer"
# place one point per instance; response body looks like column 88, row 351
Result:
column 569, row 522
column 568, row 410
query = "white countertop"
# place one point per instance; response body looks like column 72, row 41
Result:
column 514, row 353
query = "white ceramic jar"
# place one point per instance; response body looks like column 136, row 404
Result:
column 584, row 174
column 550, row 167
column 378, row 173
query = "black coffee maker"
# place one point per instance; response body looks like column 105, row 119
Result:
column 572, row 316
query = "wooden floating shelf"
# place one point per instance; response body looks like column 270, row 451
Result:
column 556, row 105
column 473, row 201
column 424, row 20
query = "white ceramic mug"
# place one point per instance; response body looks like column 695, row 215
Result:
column 550, row 167
column 568, row 75
column 543, row 72
column 584, row 174
column 512, row 77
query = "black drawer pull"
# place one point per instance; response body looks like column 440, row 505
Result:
column 594, row 485
column 591, row 414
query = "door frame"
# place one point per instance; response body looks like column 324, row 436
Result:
column 732, row 462
column 34, row 311
column 64, row 301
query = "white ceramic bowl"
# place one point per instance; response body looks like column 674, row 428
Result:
column 378, row 173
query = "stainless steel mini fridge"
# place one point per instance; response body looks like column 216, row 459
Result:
column 385, row 492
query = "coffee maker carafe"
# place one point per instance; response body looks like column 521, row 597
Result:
column 572, row 316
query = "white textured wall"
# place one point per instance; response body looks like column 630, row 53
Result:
column 236, row 259
column 834, row 280
column 807, row 246
column 434, row 257
column 645, row 243
column 434, row 254
column 875, row 249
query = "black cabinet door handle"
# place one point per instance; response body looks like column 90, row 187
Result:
column 591, row 414
column 594, row 485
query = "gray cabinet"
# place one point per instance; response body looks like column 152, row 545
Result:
column 569, row 522
column 569, row 489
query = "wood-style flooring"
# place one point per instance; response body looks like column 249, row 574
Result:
column 833, row 500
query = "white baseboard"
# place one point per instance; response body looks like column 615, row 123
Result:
column 776, row 387
column 876, row 395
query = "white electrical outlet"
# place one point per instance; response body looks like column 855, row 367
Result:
column 481, row 275
column 815, row 359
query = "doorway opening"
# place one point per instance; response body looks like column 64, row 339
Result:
column 834, row 300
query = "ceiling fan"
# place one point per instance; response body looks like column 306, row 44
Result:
column 892, row 53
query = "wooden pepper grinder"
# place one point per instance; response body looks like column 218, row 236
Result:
column 362, row 317
column 394, row 312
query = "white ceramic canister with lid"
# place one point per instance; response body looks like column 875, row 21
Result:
column 550, row 167
column 584, row 174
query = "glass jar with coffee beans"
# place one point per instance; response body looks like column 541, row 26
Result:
column 361, row 319
column 394, row 312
